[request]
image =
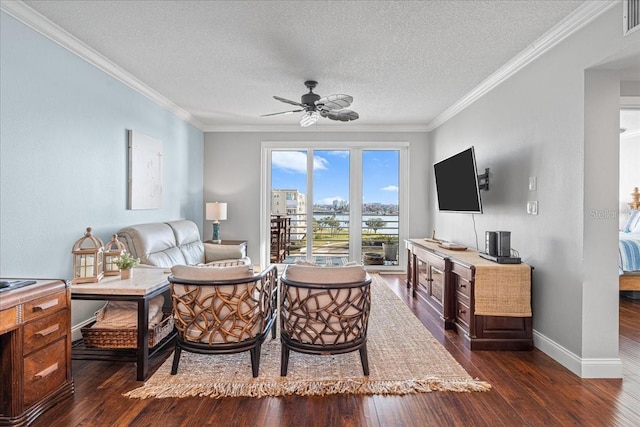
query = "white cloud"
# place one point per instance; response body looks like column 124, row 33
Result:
column 343, row 154
column 296, row 161
column 390, row 188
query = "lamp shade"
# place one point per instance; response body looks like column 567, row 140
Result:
column 216, row 211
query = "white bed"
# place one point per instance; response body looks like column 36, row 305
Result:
column 629, row 247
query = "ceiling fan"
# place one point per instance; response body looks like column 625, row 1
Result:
column 314, row 107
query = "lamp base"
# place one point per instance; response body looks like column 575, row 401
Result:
column 216, row 232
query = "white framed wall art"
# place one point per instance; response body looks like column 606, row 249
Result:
column 145, row 171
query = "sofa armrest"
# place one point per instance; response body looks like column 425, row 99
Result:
column 217, row 252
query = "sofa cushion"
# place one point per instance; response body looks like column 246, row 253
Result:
column 187, row 238
column 164, row 244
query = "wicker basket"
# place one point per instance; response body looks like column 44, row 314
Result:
column 372, row 258
column 125, row 338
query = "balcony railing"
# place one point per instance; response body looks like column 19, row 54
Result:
column 331, row 237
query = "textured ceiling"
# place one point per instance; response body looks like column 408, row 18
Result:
column 404, row 62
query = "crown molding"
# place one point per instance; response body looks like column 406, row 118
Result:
column 318, row 128
column 582, row 16
column 39, row 23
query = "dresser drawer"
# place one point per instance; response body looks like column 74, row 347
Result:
column 43, row 306
column 463, row 314
column 461, row 285
column 44, row 371
column 462, row 271
column 8, row 319
column 41, row 332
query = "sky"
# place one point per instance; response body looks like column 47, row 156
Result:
column 331, row 175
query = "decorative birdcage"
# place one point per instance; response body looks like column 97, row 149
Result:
column 112, row 251
column 88, row 262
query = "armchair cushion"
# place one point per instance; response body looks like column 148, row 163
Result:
column 211, row 273
column 317, row 274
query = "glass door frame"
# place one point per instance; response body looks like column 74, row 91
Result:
column 355, row 149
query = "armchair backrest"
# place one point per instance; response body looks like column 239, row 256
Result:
column 217, row 305
column 325, row 305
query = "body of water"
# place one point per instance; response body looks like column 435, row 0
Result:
column 391, row 221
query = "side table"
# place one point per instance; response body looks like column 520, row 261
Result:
column 144, row 284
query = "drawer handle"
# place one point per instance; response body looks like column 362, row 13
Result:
column 462, row 285
column 45, row 372
column 49, row 330
column 462, row 311
column 46, row 305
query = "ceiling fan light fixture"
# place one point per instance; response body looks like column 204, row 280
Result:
column 309, row 118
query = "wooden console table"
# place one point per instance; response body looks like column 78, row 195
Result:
column 488, row 303
column 35, row 350
column 144, row 284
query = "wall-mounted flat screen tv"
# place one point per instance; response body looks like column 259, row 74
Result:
column 457, row 184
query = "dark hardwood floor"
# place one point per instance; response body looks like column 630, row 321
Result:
column 529, row 389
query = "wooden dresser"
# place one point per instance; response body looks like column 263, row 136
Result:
column 35, row 350
column 487, row 303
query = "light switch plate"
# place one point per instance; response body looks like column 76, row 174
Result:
column 533, row 184
column 532, row 207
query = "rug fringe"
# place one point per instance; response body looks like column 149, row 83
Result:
column 311, row 388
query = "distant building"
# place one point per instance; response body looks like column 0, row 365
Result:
column 288, row 202
column 293, row 204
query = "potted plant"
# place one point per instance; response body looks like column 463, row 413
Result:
column 125, row 263
column 390, row 249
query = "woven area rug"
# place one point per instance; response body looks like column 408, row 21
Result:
column 404, row 358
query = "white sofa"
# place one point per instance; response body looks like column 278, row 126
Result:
column 165, row 244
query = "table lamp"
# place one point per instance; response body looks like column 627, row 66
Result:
column 216, row 212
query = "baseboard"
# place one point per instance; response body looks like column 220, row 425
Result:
column 76, row 332
column 584, row 368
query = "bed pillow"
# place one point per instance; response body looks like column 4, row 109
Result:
column 633, row 222
column 635, row 228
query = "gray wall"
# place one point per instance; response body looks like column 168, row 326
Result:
column 63, row 156
column 536, row 124
column 232, row 174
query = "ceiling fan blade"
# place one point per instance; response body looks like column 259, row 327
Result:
column 335, row 102
column 288, row 101
column 342, row 115
column 283, row 112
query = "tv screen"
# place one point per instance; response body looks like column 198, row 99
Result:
column 457, row 183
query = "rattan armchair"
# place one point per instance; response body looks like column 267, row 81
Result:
column 324, row 310
column 223, row 310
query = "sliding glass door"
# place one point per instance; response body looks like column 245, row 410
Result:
column 332, row 206
column 380, row 206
